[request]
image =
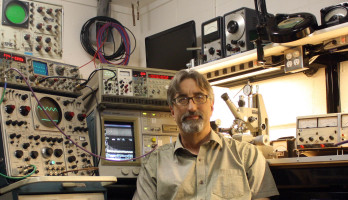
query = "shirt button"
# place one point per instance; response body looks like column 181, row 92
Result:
column 201, row 182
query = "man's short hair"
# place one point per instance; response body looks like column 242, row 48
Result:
column 174, row 86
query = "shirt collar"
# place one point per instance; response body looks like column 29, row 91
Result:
column 214, row 137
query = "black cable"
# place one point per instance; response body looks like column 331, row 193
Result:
column 85, row 37
column 94, row 72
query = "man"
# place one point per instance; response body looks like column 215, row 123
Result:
column 201, row 164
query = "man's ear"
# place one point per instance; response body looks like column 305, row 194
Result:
column 171, row 110
column 212, row 106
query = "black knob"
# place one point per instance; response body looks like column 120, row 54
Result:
column 27, row 159
column 321, row 138
column 30, row 137
column 38, row 39
column 232, row 27
column 83, row 155
column 211, row 51
column 301, row 139
column 9, row 108
column 73, row 167
column 38, row 48
column 14, row 123
column 58, row 153
column 49, row 27
column 70, row 151
column 77, row 128
column 39, row 26
column 26, row 145
column 18, row 136
column 27, row 37
column 34, row 154
column 12, row 135
column 47, row 49
column 49, row 139
column 21, row 123
column 241, row 43
column 24, row 110
column 48, row 40
column 229, row 47
column 18, row 153
column 8, row 122
column 69, row 115
column 71, row 159
column 47, row 152
column 331, row 137
column 60, row 140
column 81, row 117
column 49, row 11
column 39, row 9
column 311, row 139
column 36, row 137
column 84, row 144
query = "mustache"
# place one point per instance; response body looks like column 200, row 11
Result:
column 188, row 114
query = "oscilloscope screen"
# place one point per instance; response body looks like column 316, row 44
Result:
column 119, row 140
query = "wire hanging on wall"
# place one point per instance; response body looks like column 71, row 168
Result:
column 124, row 50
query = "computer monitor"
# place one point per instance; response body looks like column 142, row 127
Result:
column 168, row 49
column 120, row 140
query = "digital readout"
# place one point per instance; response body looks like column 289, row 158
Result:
column 13, row 57
column 160, row 76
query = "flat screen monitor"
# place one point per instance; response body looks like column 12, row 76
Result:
column 120, row 140
column 168, row 49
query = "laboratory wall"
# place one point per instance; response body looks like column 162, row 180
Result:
column 285, row 97
column 157, row 16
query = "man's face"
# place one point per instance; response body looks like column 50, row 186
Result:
column 193, row 117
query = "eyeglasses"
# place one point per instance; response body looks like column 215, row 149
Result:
column 184, row 101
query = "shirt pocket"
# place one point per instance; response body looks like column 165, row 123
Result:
column 230, row 183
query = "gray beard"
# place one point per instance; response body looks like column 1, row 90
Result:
column 192, row 126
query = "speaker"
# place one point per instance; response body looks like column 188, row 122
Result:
column 239, row 30
column 212, row 40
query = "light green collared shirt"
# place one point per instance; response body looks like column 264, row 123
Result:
column 223, row 169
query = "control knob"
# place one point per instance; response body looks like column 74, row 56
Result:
column 211, row 51
column 26, row 145
column 24, row 110
column 71, row 159
column 58, row 153
column 69, row 115
column 18, row 153
column 34, row 154
column 9, row 108
column 24, row 97
column 47, row 152
column 81, row 117
column 232, row 27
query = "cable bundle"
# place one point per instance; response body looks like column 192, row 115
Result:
column 124, row 50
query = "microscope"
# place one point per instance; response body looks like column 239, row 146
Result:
column 252, row 118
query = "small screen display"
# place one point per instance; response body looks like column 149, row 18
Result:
column 40, row 68
column 119, row 140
